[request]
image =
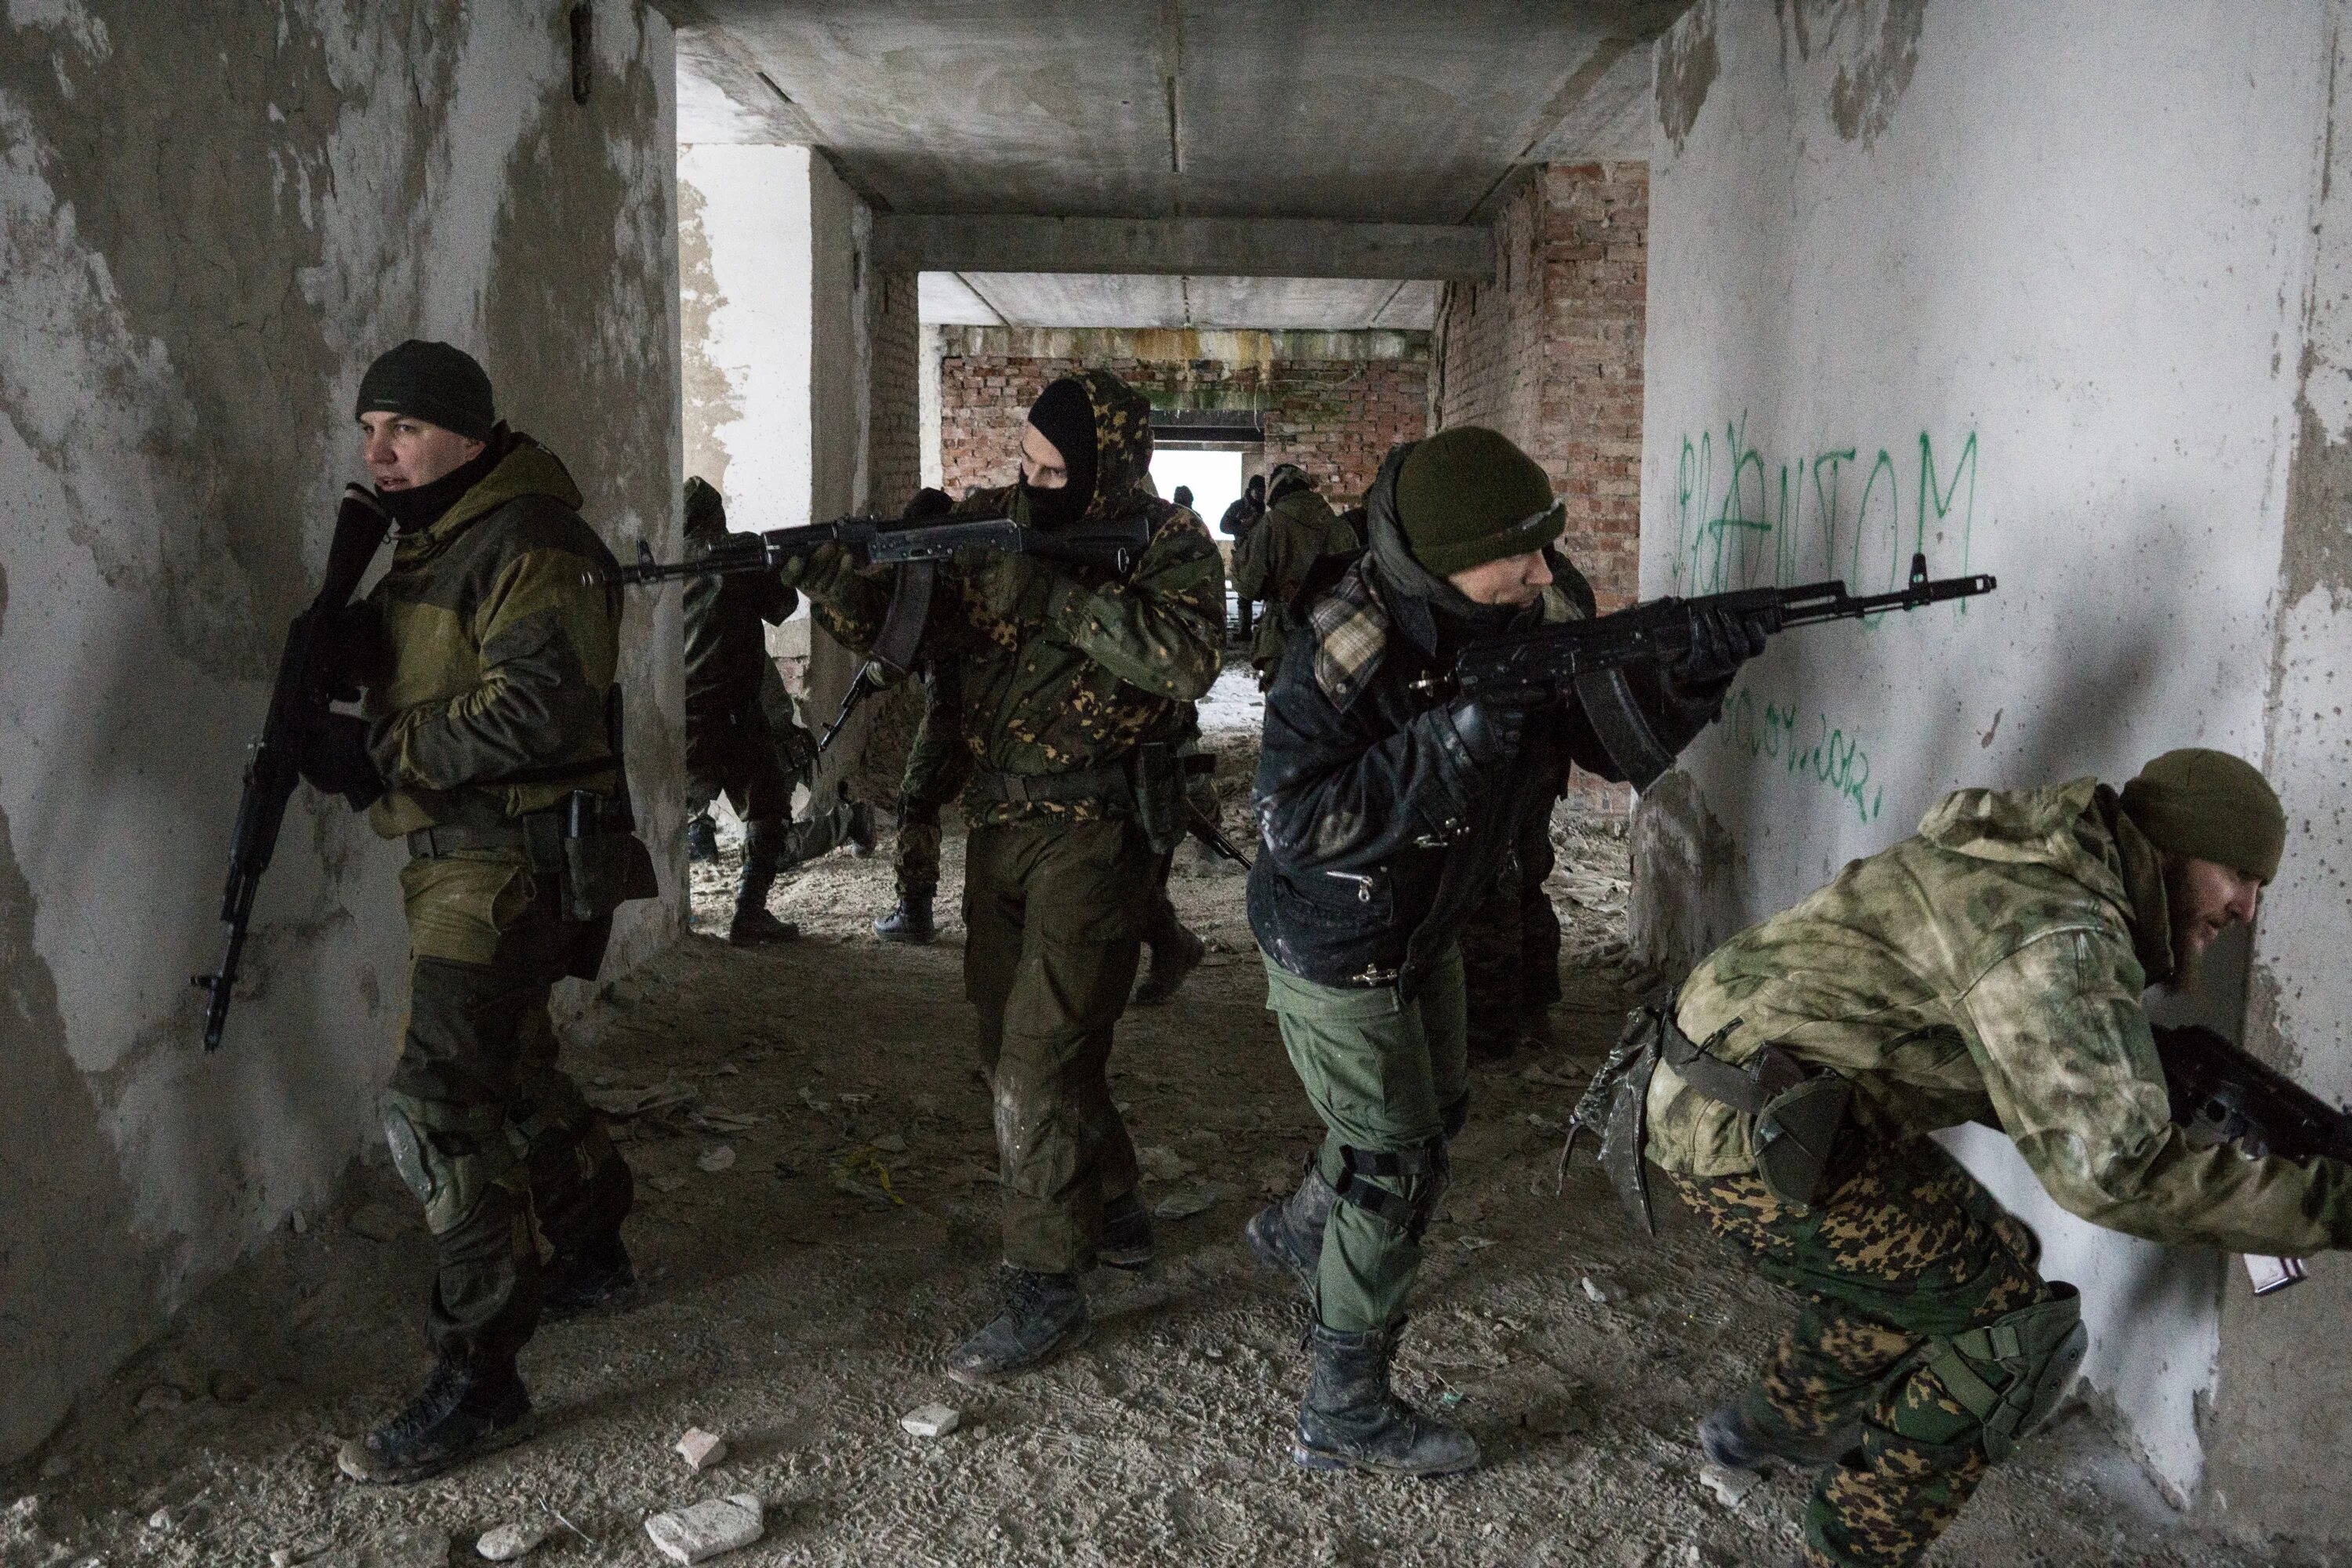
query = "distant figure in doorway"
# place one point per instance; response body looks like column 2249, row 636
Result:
column 1184, row 496
column 1299, row 530
column 1239, row 519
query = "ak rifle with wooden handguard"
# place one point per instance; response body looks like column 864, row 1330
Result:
column 876, row 541
column 1555, row 656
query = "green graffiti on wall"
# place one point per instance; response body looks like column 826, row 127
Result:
column 1832, row 757
column 1744, row 522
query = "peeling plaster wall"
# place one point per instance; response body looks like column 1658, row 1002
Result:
column 2283, row 1386
column 183, row 336
column 2029, row 294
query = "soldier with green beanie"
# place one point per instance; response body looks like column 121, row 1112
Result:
column 1385, row 806
column 1989, row 969
column 1274, row 558
column 1073, row 681
column 489, row 740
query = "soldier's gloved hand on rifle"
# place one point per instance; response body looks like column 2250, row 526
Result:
column 1010, row 586
column 822, row 574
column 1721, row 643
column 347, row 640
column 1489, row 728
column 335, row 760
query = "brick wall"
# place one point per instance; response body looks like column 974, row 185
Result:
column 1332, row 406
column 1550, row 354
column 894, row 452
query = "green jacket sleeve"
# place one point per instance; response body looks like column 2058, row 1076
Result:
column 549, row 644
column 1250, row 569
column 2058, row 1029
column 1162, row 629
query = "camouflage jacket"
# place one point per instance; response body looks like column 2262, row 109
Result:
column 493, row 659
column 1991, row 969
column 1273, row 562
column 1091, row 667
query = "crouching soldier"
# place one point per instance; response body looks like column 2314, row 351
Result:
column 1073, row 679
column 1989, row 969
column 489, row 740
column 1384, row 808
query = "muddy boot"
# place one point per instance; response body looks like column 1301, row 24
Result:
column 910, row 921
column 763, row 853
column 1044, row 1314
column 1125, row 1236
column 1175, row 953
column 1289, row 1235
column 463, row 1413
column 599, row 1279
column 1729, row 1439
column 1350, row 1419
column 702, row 838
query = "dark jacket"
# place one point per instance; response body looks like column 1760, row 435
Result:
column 1240, row 517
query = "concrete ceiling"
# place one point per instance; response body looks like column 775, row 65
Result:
column 1097, row 300
column 1395, row 111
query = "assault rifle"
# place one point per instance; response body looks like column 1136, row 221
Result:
column 1209, row 833
column 2222, row 1094
column 296, row 702
column 877, row 541
column 1589, row 658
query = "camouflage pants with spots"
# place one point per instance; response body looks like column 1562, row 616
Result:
column 1905, row 1245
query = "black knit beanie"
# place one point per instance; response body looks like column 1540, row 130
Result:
column 433, row 382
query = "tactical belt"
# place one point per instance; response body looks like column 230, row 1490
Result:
column 1113, row 783
column 540, row 832
column 1798, row 1112
column 1749, row 1089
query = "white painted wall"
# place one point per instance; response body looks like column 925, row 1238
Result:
column 2026, row 293
column 176, row 379
column 748, row 273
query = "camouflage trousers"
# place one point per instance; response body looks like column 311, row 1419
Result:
column 1054, row 917
column 495, row 1140
column 1510, row 945
column 937, row 765
column 1904, row 1245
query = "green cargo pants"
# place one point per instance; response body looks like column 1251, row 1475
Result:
column 1054, row 917
column 1905, row 1245
column 491, row 1134
column 1390, row 1077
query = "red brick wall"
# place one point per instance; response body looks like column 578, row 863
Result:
column 1335, row 419
column 1550, row 354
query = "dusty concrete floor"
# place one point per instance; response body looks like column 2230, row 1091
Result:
column 799, row 1311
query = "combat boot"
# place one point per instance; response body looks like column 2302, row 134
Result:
column 463, row 1413
column 1126, row 1234
column 910, row 921
column 763, row 852
column 1175, row 953
column 599, row 1279
column 1729, row 1439
column 1351, row 1420
column 1044, row 1314
column 702, row 838
column 1289, row 1235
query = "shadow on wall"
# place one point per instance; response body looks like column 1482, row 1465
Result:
column 62, row 1190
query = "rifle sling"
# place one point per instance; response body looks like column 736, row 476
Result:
column 1747, row 1089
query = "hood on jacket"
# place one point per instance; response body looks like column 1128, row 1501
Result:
column 2078, row 829
column 1122, row 445
column 1287, row 478
column 527, row 469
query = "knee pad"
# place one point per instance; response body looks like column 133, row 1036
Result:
column 1424, row 1168
column 450, row 1156
column 2010, row 1373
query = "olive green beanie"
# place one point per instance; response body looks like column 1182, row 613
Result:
column 1467, row 496
column 2209, row 806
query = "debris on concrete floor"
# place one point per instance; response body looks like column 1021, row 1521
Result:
column 510, row 1541
column 931, row 1420
column 1186, row 1202
column 701, row 1449
column 721, row 1157
column 408, row 1549
column 1728, row 1484
column 707, row 1529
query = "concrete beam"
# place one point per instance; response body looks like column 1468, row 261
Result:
column 1248, row 248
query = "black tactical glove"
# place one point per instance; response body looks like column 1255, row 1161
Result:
column 1721, row 643
column 348, row 639
column 1490, row 731
column 335, row 760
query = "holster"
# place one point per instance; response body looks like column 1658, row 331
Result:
column 600, row 862
column 1799, row 1113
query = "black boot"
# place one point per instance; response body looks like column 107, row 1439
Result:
column 1289, row 1235
column 1126, row 1234
column 763, row 852
column 702, row 838
column 910, row 921
column 1175, row 953
column 1729, row 1439
column 463, row 1412
column 1351, row 1420
column 595, row 1279
column 1044, row 1314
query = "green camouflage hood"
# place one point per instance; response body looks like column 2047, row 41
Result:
column 1122, row 445
column 2059, row 825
